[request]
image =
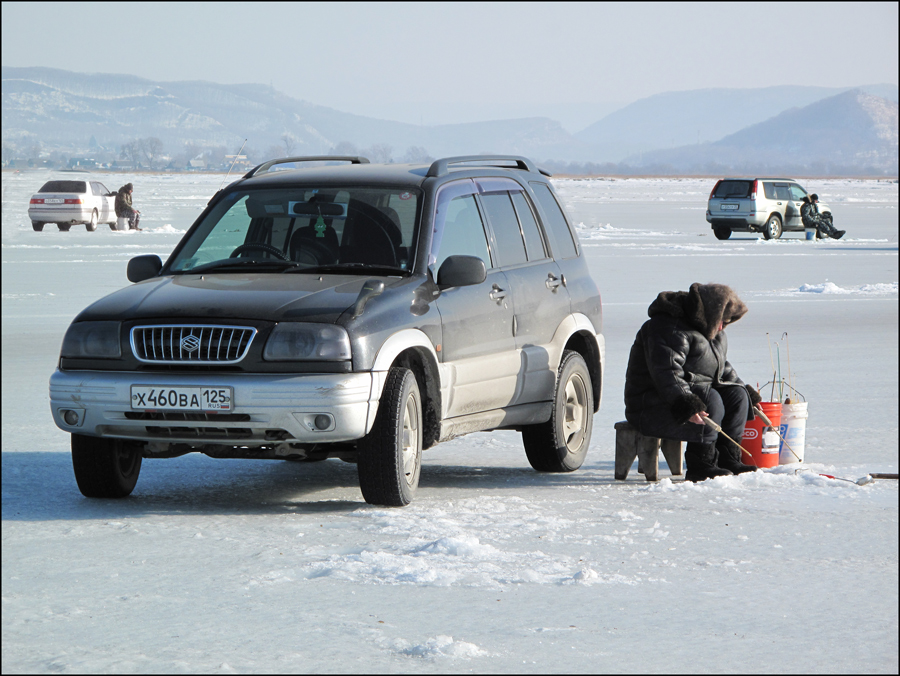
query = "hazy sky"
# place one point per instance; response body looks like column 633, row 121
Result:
column 442, row 63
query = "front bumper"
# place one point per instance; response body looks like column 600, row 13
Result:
column 268, row 408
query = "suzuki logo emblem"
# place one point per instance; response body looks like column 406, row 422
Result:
column 190, row 343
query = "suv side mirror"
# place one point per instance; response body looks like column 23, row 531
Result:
column 461, row 271
column 143, row 267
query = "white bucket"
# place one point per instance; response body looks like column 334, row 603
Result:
column 793, row 429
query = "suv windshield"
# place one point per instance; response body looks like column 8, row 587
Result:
column 728, row 189
column 306, row 228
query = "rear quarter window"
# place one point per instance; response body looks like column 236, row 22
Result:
column 555, row 222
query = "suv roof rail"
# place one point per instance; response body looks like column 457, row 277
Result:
column 265, row 166
column 442, row 166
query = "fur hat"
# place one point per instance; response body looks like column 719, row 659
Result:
column 129, row 187
column 814, row 197
column 704, row 306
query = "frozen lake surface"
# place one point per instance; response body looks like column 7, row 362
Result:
column 266, row 566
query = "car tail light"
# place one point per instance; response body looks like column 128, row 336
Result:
column 715, row 187
column 76, row 200
column 753, row 192
column 37, row 200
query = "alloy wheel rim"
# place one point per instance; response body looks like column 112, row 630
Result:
column 575, row 416
column 410, row 441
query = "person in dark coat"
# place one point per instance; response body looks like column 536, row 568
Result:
column 809, row 214
column 124, row 208
column 678, row 373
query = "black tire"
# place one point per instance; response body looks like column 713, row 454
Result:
column 37, row 225
column 64, row 227
column 561, row 443
column 92, row 224
column 390, row 456
column 773, row 227
column 722, row 233
column 105, row 468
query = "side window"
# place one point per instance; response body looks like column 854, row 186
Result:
column 782, row 191
column 500, row 212
column 96, row 189
column 462, row 233
column 555, row 222
column 769, row 189
column 797, row 193
column 534, row 244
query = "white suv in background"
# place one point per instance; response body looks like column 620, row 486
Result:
column 767, row 205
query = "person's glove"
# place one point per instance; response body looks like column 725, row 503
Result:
column 755, row 397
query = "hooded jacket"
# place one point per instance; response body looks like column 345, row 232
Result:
column 123, row 203
column 678, row 355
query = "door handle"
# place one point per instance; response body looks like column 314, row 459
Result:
column 552, row 282
column 497, row 293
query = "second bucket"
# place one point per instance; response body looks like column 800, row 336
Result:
column 793, row 429
column 761, row 440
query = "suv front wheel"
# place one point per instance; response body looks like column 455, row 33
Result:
column 772, row 229
column 561, row 443
column 390, row 456
column 105, row 468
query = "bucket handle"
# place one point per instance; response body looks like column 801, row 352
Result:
column 776, row 382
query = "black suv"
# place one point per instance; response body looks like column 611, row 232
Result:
column 358, row 311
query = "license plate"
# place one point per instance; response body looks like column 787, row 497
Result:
column 730, row 207
column 53, row 200
column 144, row 398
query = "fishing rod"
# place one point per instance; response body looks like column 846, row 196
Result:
column 718, row 428
column 765, row 418
column 233, row 163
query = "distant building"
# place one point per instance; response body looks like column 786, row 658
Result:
column 240, row 162
column 196, row 165
column 82, row 163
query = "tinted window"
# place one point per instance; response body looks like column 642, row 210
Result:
column 782, row 192
column 770, row 190
column 463, row 232
column 64, row 186
column 510, row 247
column 797, row 193
column 555, row 222
column 534, row 244
column 728, row 189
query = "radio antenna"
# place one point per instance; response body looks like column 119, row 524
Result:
column 232, row 164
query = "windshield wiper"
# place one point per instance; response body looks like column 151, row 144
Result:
column 353, row 269
column 239, row 263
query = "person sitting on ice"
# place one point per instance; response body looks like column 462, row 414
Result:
column 811, row 217
column 678, row 373
column 124, row 208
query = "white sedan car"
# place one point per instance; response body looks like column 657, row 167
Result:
column 67, row 203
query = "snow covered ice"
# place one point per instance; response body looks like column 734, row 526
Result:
column 269, row 566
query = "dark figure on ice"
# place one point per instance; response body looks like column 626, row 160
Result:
column 809, row 212
column 125, row 210
column 678, row 373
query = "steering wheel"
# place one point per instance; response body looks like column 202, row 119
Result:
column 382, row 221
column 313, row 252
column 268, row 248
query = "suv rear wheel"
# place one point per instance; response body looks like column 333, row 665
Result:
column 772, row 229
column 722, row 233
column 390, row 456
column 105, row 468
column 561, row 443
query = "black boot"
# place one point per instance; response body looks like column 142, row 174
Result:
column 730, row 458
column 701, row 463
column 839, row 233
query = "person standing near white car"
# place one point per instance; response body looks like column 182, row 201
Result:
column 125, row 210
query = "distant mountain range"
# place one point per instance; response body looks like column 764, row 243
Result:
column 72, row 112
column 851, row 131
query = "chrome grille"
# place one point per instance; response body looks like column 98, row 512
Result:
column 191, row 344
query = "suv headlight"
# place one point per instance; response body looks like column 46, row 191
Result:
column 97, row 340
column 297, row 341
